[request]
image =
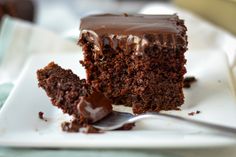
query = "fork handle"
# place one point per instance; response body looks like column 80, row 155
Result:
column 230, row 131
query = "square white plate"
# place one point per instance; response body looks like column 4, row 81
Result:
column 212, row 94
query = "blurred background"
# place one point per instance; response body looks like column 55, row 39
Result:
column 62, row 15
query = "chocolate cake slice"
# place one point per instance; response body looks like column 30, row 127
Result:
column 73, row 95
column 136, row 60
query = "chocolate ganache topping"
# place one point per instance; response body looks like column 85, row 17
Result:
column 136, row 31
column 131, row 24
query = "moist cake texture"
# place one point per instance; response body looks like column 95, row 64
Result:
column 72, row 94
column 136, row 60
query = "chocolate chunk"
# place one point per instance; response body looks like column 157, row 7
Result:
column 94, row 107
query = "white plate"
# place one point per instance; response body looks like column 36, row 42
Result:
column 212, row 95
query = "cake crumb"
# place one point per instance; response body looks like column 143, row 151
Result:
column 193, row 113
column 89, row 129
column 188, row 81
column 72, row 126
column 128, row 126
column 77, row 125
column 41, row 116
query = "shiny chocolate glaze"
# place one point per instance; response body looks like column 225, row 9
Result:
column 130, row 24
column 135, row 31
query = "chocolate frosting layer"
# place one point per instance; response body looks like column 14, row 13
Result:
column 136, row 31
column 130, row 24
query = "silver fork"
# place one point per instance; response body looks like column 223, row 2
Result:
column 117, row 119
